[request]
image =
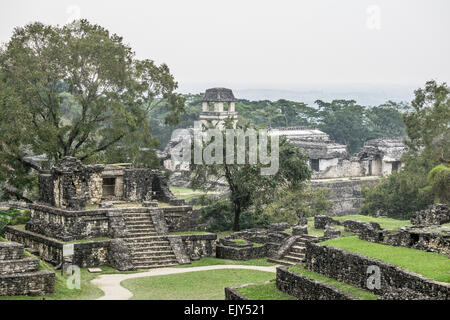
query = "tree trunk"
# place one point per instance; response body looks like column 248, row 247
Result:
column 237, row 214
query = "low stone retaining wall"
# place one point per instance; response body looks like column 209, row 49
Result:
column 18, row 266
column 11, row 251
column 199, row 245
column 233, row 253
column 232, row 293
column 304, row 288
column 22, row 284
column 86, row 254
column 178, row 219
column 354, row 269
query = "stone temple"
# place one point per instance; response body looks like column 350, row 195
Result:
column 112, row 215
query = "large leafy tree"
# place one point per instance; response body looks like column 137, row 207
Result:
column 247, row 186
column 417, row 185
column 428, row 121
column 77, row 90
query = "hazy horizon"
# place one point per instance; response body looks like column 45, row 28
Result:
column 377, row 50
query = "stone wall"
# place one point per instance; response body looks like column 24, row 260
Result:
column 420, row 238
column 234, row 253
column 352, row 268
column 34, row 284
column 304, row 288
column 86, row 254
column 199, row 246
column 20, row 275
column 435, row 214
column 345, row 194
column 68, row 225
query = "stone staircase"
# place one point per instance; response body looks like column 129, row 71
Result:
column 296, row 253
column 148, row 249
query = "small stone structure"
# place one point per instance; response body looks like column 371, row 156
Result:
column 20, row 275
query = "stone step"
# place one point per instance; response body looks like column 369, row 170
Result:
column 293, row 259
column 140, row 226
column 154, row 258
column 140, row 234
column 298, row 249
column 137, row 219
column 281, row 262
column 149, row 245
column 149, row 254
column 144, row 249
column 139, row 223
column 152, row 266
column 148, row 238
column 297, row 255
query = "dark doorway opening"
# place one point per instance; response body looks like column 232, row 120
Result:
column 395, row 166
column 109, row 187
column 315, row 164
column 156, row 188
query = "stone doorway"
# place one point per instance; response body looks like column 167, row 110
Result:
column 109, row 187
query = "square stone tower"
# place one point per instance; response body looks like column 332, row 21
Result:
column 218, row 104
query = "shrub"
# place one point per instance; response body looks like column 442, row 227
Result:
column 439, row 180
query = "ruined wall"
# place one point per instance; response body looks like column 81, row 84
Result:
column 304, row 288
column 235, row 253
column 20, row 275
column 352, row 268
column 341, row 168
column 68, row 225
column 345, row 194
column 200, row 246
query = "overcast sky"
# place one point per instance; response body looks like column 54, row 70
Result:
column 268, row 44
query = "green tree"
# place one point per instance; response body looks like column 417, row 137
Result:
column 439, row 180
column 428, row 121
column 248, row 187
column 77, row 90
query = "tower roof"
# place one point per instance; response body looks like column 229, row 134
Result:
column 218, row 95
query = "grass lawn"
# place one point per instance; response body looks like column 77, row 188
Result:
column 386, row 223
column 429, row 264
column 188, row 193
column 209, row 261
column 200, row 285
column 354, row 291
column 265, row 291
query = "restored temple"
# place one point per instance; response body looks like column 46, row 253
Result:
column 113, row 215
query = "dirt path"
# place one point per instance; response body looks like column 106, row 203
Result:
column 110, row 283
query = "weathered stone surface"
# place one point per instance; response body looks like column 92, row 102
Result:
column 353, row 269
column 320, row 221
column 179, row 250
column 19, row 265
column 299, row 230
column 435, row 214
column 11, row 251
column 275, row 227
column 199, row 245
column 119, row 255
column 331, row 232
column 22, row 284
column 304, row 288
column 403, row 294
column 234, row 253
